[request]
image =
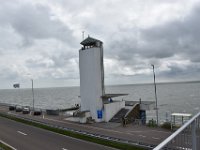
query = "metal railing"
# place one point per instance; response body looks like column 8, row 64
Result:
column 186, row 137
column 133, row 113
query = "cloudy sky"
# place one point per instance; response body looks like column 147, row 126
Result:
column 40, row 39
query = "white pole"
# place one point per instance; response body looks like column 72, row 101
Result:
column 33, row 94
column 154, row 77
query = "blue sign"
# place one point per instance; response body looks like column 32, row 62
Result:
column 99, row 114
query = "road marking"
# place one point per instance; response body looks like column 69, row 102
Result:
column 97, row 128
column 142, row 136
column 64, row 149
column 7, row 145
column 21, row 133
column 155, row 138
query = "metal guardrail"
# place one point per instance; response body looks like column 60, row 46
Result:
column 186, row 137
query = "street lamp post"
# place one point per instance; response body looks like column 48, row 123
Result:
column 33, row 94
column 154, row 77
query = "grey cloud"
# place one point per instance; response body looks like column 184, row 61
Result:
column 39, row 63
column 63, row 59
column 34, row 22
column 138, row 48
column 177, row 72
column 51, row 61
column 8, row 73
column 49, row 47
column 178, row 37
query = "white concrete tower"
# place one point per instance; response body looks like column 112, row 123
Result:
column 92, row 77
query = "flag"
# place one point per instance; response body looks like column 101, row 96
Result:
column 16, row 85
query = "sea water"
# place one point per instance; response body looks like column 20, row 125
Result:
column 172, row 97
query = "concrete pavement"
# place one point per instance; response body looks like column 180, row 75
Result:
column 24, row 137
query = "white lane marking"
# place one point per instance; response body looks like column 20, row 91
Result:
column 97, row 127
column 142, row 136
column 7, row 145
column 22, row 133
column 155, row 138
column 64, row 149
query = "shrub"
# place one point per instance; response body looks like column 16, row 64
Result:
column 166, row 125
column 152, row 123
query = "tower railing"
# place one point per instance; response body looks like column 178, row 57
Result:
column 186, row 137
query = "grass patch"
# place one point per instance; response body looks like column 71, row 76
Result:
column 113, row 144
column 4, row 147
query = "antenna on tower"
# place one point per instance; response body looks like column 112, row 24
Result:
column 83, row 34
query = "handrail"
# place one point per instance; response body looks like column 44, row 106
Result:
column 166, row 141
column 131, row 109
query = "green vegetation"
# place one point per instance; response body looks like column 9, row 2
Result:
column 166, row 125
column 4, row 147
column 152, row 123
column 113, row 144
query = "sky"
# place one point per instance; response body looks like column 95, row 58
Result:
column 40, row 40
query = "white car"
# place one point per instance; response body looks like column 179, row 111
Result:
column 26, row 110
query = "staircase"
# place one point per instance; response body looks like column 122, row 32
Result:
column 130, row 114
column 133, row 113
column 118, row 117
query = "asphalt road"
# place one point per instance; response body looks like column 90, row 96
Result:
column 24, row 137
column 134, row 133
